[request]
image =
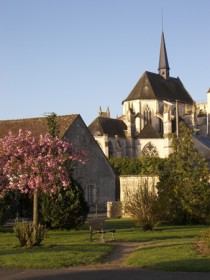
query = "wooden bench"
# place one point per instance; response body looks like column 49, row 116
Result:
column 97, row 226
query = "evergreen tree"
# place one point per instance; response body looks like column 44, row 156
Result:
column 183, row 186
column 66, row 209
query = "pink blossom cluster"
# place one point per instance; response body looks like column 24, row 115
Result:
column 30, row 164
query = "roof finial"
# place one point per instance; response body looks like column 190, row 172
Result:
column 108, row 112
column 100, row 111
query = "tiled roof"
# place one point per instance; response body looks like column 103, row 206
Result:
column 37, row 126
column 108, row 126
column 154, row 86
column 148, row 132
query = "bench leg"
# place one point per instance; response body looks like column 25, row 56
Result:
column 112, row 235
column 102, row 238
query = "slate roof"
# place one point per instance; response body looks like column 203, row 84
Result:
column 203, row 139
column 148, row 132
column 37, row 126
column 108, row 126
column 154, row 86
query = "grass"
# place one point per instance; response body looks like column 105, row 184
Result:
column 173, row 255
column 167, row 248
column 60, row 249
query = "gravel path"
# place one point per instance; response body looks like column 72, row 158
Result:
column 116, row 260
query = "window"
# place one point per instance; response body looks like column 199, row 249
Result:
column 150, row 150
column 147, row 115
column 160, row 127
column 91, row 194
column 111, row 149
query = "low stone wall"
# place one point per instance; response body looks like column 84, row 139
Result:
column 129, row 184
column 113, row 209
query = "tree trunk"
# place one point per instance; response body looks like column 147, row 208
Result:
column 35, row 209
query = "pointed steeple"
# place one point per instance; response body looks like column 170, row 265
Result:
column 99, row 111
column 163, row 60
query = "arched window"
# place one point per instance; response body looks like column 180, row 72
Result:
column 160, row 127
column 147, row 115
column 150, row 150
column 138, row 123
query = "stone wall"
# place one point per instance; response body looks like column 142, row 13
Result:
column 128, row 184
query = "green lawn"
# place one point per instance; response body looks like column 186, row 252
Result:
column 167, row 248
column 60, row 249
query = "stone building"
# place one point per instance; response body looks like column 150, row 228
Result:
column 96, row 175
column 151, row 111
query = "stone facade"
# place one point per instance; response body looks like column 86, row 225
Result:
column 96, row 175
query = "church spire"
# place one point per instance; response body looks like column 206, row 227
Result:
column 163, row 60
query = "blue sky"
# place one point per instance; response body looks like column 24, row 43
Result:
column 72, row 56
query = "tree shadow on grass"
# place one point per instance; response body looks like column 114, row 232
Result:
column 188, row 265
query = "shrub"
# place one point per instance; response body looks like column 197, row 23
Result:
column 135, row 166
column 143, row 205
column 29, row 234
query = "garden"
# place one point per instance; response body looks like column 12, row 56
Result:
column 173, row 248
column 36, row 181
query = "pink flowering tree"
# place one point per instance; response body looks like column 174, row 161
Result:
column 36, row 165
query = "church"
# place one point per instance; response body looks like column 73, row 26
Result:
column 152, row 110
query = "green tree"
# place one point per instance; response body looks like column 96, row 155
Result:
column 126, row 166
column 66, row 209
column 183, row 187
column 53, row 127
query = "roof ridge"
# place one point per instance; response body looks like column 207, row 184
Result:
column 36, row 118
